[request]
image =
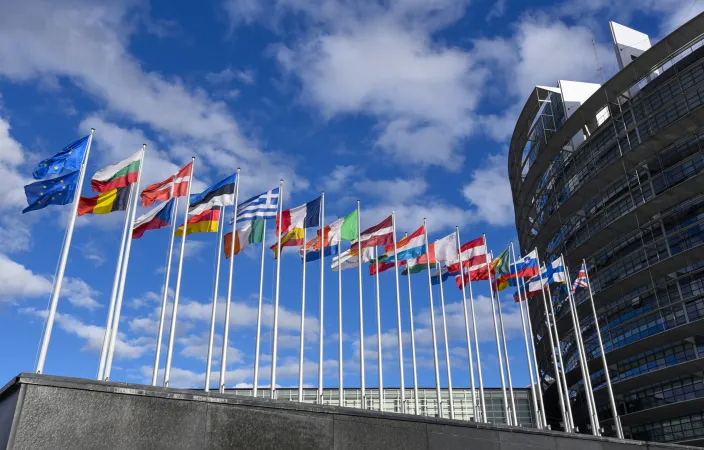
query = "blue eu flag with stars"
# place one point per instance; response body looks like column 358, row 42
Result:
column 57, row 191
column 69, row 159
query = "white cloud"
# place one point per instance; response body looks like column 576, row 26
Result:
column 20, row 283
column 93, row 336
column 381, row 60
column 95, row 57
column 489, row 192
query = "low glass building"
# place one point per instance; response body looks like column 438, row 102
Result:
column 614, row 174
column 427, row 401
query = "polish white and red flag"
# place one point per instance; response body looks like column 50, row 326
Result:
column 162, row 191
column 380, row 234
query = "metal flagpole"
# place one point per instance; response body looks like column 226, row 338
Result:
column 62, row 260
column 255, row 380
column 413, row 342
column 165, row 293
column 432, row 320
column 228, row 304
column 538, row 378
column 476, row 345
column 322, row 297
column 447, row 345
column 275, row 332
column 514, row 416
column 398, row 321
column 301, row 350
column 361, row 309
column 209, row 362
column 466, row 324
column 179, row 272
column 113, row 294
column 496, row 335
column 612, row 400
column 559, row 357
column 123, row 275
column 378, row 334
column 560, row 393
column 588, row 390
column 528, row 345
column 339, row 329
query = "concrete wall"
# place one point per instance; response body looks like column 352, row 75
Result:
column 45, row 412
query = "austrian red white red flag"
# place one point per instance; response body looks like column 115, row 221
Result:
column 162, row 191
column 473, row 257
column 380, row 234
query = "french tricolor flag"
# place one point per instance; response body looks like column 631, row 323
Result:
column 153, row 220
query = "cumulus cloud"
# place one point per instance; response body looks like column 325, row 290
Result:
column 20, row 283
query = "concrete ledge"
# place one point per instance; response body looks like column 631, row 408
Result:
column 48, row 412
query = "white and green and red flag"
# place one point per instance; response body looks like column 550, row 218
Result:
column 117, row 175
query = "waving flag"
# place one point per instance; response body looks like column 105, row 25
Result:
column 554, row 272
column 105, row 202
column 312, row 248
column 216, row 196
column 294, row 221
column 440, row 276
column 251, row 233
column 343, row 229
column 581, row 281
column 380, row 234
column 156, row 218
column 58, row 191
column 304, row 216
column 350, row 258
column 203, row 222
column 68, row 160
column 118, row 175
column 473, row 256
column 527, row 266
column 442, row 250
column 410, row 247
column 162, row 191
column 262, row 206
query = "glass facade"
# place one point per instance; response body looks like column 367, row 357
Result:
column 427, row 401
column 625, row 193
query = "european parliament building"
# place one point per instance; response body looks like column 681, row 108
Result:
column 613, row 173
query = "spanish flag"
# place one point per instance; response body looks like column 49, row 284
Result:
column 107, row 202
column 204, row 222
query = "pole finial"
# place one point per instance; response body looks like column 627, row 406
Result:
column 92, row 130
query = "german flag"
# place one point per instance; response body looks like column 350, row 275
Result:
column 106, row 202
column 204, row 222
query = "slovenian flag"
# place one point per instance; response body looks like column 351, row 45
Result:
column 526, row 266
column 158, row 217
column 117, row 175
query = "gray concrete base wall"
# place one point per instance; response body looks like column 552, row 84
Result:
column 46, row 412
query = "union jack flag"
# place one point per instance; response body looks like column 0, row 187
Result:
column 581, row 280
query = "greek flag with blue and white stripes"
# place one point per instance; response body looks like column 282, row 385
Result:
column 262, row 206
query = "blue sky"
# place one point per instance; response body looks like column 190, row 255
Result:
column 407, row 105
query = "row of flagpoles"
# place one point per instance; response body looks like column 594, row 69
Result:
column 119, row 184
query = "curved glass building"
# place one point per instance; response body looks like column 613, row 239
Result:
column 614, row 174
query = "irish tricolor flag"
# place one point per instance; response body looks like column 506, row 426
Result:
column 251, row 233
column 117, row 175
